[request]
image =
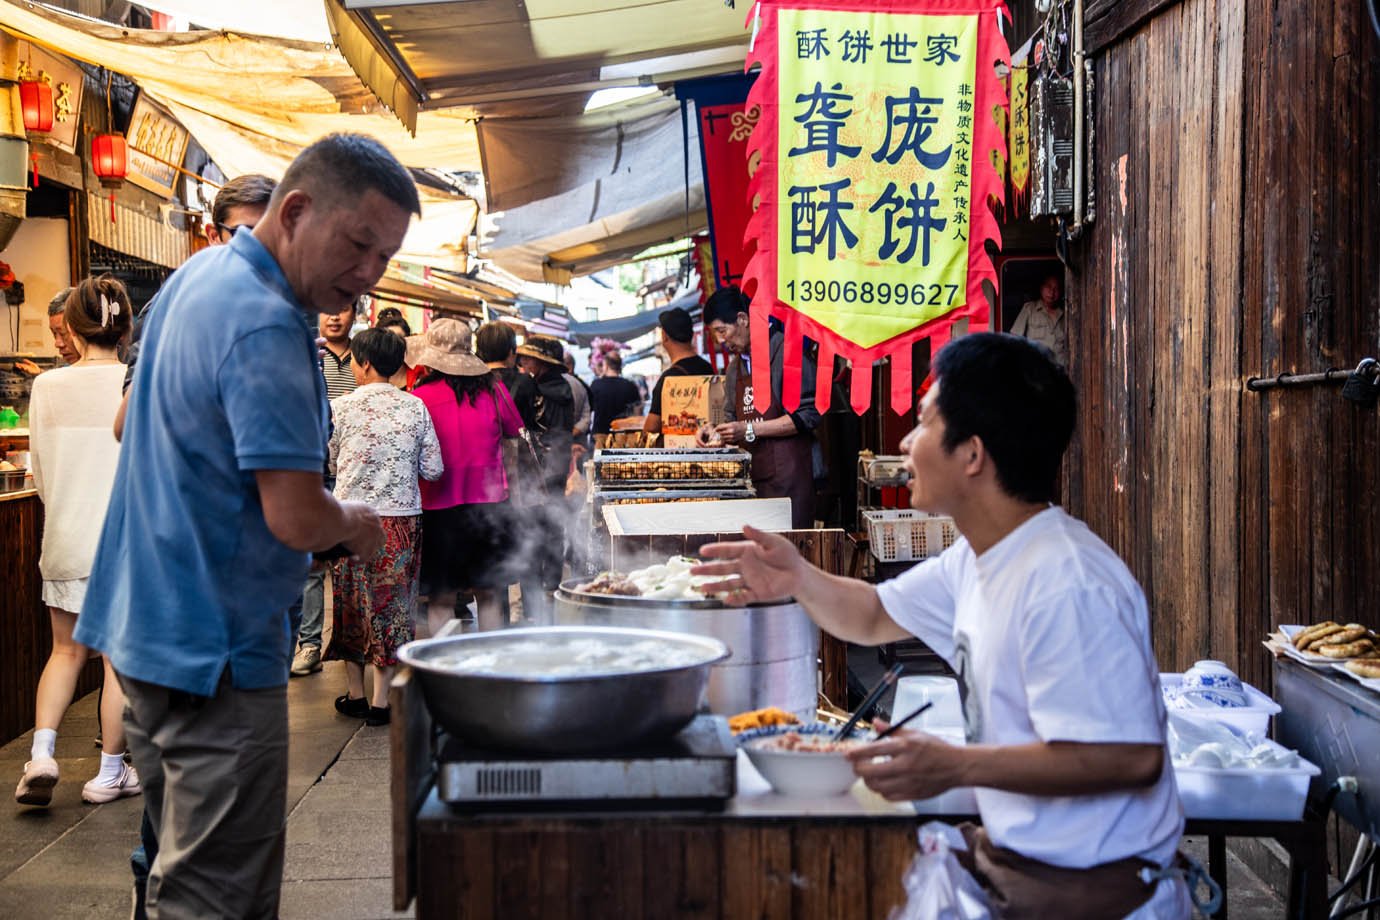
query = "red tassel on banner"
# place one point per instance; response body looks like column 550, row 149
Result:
column 760, row 333
column 112, row 207
column 791, row 370
column 824, row 377
column 861, row 396
column 901, row 399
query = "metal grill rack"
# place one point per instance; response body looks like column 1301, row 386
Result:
column 711, row 467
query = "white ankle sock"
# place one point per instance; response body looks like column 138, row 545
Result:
column 111, row 765
column 45, row 740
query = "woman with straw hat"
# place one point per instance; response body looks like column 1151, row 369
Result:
column 467, row 538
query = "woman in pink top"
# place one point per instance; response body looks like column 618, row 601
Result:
column 467, row 527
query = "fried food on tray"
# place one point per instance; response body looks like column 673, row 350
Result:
column 1369, row 668
column 1345, row 649
column 1349, row 633
column 760, row 718
column 1305, row 636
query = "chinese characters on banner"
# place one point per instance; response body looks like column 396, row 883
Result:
column 877, row 140
column 1020, row 135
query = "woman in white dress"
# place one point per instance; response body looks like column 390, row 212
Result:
column 73, row 454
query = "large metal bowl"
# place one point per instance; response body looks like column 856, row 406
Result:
column 604, row 711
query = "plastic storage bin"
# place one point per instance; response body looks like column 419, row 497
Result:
column 902, row 536
column 1245, row 794
column 1253, row 719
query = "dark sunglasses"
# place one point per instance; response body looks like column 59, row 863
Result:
column 227, row 230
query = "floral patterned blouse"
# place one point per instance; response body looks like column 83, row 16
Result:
column 381, row 439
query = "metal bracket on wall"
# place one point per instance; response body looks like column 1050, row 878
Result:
column 1368, row 367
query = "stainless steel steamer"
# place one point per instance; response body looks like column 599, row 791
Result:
column 775, row 645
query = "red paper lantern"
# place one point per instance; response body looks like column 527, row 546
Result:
column 36, row 98
column 110, row 163
column 110, row 159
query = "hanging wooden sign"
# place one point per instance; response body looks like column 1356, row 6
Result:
column 1020, row 135
column 877, row 143
column 157, row 144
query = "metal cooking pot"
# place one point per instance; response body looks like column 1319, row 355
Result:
column 775, row 645
column 561, row 714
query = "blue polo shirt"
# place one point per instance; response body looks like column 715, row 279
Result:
column 188, row 578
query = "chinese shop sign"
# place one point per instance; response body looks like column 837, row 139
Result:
column 1020, row 134
column 877, row 138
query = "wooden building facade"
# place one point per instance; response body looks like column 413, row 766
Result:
column 1238, row 192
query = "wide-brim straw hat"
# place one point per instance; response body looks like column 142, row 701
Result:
column 445, row 347
column 543, row 348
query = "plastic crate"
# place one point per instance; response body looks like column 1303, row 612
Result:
column 903, row 535
column 1238, row 794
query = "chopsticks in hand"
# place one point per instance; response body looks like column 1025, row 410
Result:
column 871, row 700
column 895, row 725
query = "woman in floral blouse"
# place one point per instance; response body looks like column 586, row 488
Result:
column 381, row 439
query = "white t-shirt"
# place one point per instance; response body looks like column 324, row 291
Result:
column 73, row 453
column 1049, row 634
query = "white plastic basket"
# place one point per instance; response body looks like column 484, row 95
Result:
column 903, row 535
column 1245, row 795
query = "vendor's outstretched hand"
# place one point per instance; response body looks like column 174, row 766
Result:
column 763, row 567
column 914, row 765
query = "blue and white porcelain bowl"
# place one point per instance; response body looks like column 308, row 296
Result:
column 1215, row 684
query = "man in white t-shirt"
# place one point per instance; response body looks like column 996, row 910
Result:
column 1048, row 632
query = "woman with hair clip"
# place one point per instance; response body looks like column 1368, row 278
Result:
column 73, row 455
column 467, row 539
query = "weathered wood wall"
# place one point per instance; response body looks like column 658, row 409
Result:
column 1236, row 236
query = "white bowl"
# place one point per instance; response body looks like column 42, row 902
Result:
column 800, row 773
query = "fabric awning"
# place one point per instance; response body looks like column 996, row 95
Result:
column 627, row 328
column 398, row 290
column 253, row 103
column 529, row 52
column 635, row 199
column 528, row 159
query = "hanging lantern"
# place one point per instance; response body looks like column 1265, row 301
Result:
column 36, row 98
column 36, row 101
column 110, row 163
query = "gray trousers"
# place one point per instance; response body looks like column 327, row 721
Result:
column 214, row 772
column 313, row 609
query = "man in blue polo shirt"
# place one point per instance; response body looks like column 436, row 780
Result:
column 217, row 503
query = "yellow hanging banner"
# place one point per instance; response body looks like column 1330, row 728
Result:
column 880, row 144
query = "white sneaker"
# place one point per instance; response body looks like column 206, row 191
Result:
column 98, row 792
column 307, row 660
column 36, row 785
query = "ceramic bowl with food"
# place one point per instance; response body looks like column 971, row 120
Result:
column 802, row 760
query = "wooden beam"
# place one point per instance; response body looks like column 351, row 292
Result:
column 1106, row 21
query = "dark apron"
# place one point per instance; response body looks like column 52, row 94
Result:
column 1022, row 888
column 781, row 467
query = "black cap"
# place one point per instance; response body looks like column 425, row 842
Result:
column 677, row 324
